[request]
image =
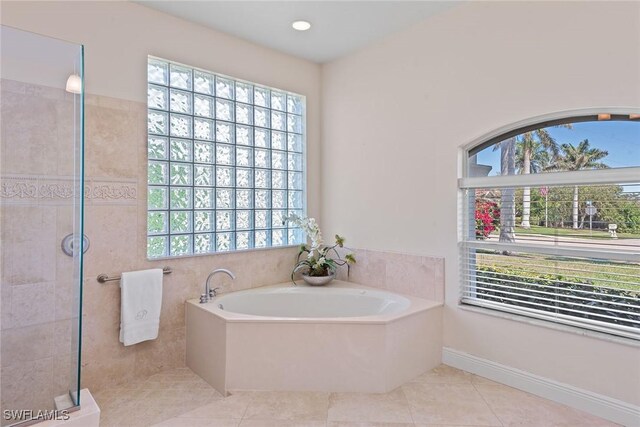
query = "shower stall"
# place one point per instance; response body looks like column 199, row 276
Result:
column 41, row 226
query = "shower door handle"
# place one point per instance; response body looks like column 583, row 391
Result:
column 69, row 242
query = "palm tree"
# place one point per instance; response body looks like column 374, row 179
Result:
column 582, row 157
column 508, row 195
column 530, row 144
column 540, row 159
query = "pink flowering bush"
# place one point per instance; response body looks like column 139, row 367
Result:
column 487, row 218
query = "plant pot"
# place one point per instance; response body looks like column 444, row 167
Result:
column 318, row 280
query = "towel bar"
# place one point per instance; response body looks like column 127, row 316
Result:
column 103, row 278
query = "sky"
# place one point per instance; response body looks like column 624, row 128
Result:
column 620, row 138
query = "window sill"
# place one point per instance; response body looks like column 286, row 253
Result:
column 551, row 325
column 237, row 251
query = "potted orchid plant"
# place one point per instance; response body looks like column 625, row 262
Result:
column 319, row 265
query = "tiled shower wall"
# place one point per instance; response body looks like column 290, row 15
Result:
column 36, row 282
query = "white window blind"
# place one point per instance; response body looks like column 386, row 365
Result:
column 587, row 277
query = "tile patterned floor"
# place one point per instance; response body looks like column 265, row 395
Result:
column 442, row 397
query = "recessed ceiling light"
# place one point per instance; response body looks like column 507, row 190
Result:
column 301, row 25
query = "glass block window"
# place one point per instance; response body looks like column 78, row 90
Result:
column 226, row 162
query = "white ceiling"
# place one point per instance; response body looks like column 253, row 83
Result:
column 338, row 27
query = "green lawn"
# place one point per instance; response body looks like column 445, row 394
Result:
column 569, row 232
column 602, row 273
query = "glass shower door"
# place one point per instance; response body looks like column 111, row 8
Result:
column 41, row 224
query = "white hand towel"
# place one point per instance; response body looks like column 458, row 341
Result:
column 141, row 299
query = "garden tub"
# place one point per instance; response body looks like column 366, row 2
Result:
column 341, row 337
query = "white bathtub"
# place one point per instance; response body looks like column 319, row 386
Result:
column 343, row 337
column 313, row 302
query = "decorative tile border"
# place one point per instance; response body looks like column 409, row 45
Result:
column 103, row 191
column 35, row 189
column 29, row 189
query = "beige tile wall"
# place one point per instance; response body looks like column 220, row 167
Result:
column 416, row 275
column 115, row 221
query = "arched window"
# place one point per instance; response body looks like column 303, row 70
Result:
column 551, row 221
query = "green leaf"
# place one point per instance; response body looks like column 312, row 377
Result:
column 331, row 263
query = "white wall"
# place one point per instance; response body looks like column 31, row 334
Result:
column 395, row 114
column 118, row 36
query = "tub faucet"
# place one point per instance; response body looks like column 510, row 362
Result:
column 211, row 293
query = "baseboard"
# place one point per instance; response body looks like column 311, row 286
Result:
column 602, row 406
